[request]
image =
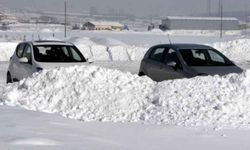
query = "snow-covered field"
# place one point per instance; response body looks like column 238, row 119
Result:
column 92, row 107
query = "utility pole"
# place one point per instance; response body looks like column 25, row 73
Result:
column 65, row 18
column 209, row 8
column 246, row 15
column 221, row 17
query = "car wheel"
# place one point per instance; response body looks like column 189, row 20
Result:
column 9, row 79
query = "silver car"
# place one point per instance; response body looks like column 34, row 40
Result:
column 33, row 56
column 173, row 61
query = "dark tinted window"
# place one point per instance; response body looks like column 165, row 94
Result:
column 171, row 56
column 19, row 50
column 57, row 53
column 157, row 54
column 204, row 57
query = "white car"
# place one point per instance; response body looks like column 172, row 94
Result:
column 34, row 56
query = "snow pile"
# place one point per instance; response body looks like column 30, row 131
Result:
column 6, row 50
column 108, row 42
column 114, row 50
column 237, row 50
column 84, row 93
column 108, row 49
column 91, row 93
column 204, row 101
column 84, row 45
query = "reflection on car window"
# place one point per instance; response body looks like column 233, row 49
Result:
column 198, row 54
column 171, row 56
column 215, row 57
column 157, row 54
column 27, row 52
column 19, row 51
column 57, row 53
column 204, row 57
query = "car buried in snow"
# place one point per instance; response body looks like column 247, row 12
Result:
column 34, row 56
column 174, row 61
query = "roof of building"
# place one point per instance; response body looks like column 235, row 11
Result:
column 106, row 23
column 200, row 18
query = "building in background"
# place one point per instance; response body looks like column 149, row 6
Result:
column 199, row 23
column 7, row 19
column 94, row 25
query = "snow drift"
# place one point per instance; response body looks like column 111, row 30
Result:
column 237, row 50
column 90, row 93
column 114, row 50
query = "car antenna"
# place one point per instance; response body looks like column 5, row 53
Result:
column 39, row 38
column 169, row 39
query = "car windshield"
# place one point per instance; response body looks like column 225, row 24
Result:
column 57, row 53
column 204, row 57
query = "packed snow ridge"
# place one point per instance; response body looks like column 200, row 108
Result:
column 107, row 49
column 90, row 93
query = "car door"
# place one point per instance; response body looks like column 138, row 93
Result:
column 154, row 63
column 170, row 72
column 26, row 69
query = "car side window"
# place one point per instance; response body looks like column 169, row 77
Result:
column 216, row 57
column 19, row 50
column 172, row 56
column 157, row 54
column 27, row 52
column 75, row 55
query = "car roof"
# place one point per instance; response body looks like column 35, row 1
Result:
column 178, row 46
column 48, row 42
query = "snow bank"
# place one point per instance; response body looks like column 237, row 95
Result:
column 90, row 93
column 237, row 50
column 113, row 50
column 6, row 50
column 84, row 93
column 108, row 42
column 204, row 101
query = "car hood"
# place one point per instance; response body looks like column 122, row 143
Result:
column 57, row 65
column 216, row 70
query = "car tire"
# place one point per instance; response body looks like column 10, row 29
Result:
column 9, row 79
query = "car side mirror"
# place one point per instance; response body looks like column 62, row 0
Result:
column 23, row 60
column 172, row 64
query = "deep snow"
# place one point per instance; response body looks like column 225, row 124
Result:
column 90, row 93
column 208, row 102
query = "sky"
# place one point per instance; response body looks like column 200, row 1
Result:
column 136, row 7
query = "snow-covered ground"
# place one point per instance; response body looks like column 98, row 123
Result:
column 115, row 109
column 29, row 130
